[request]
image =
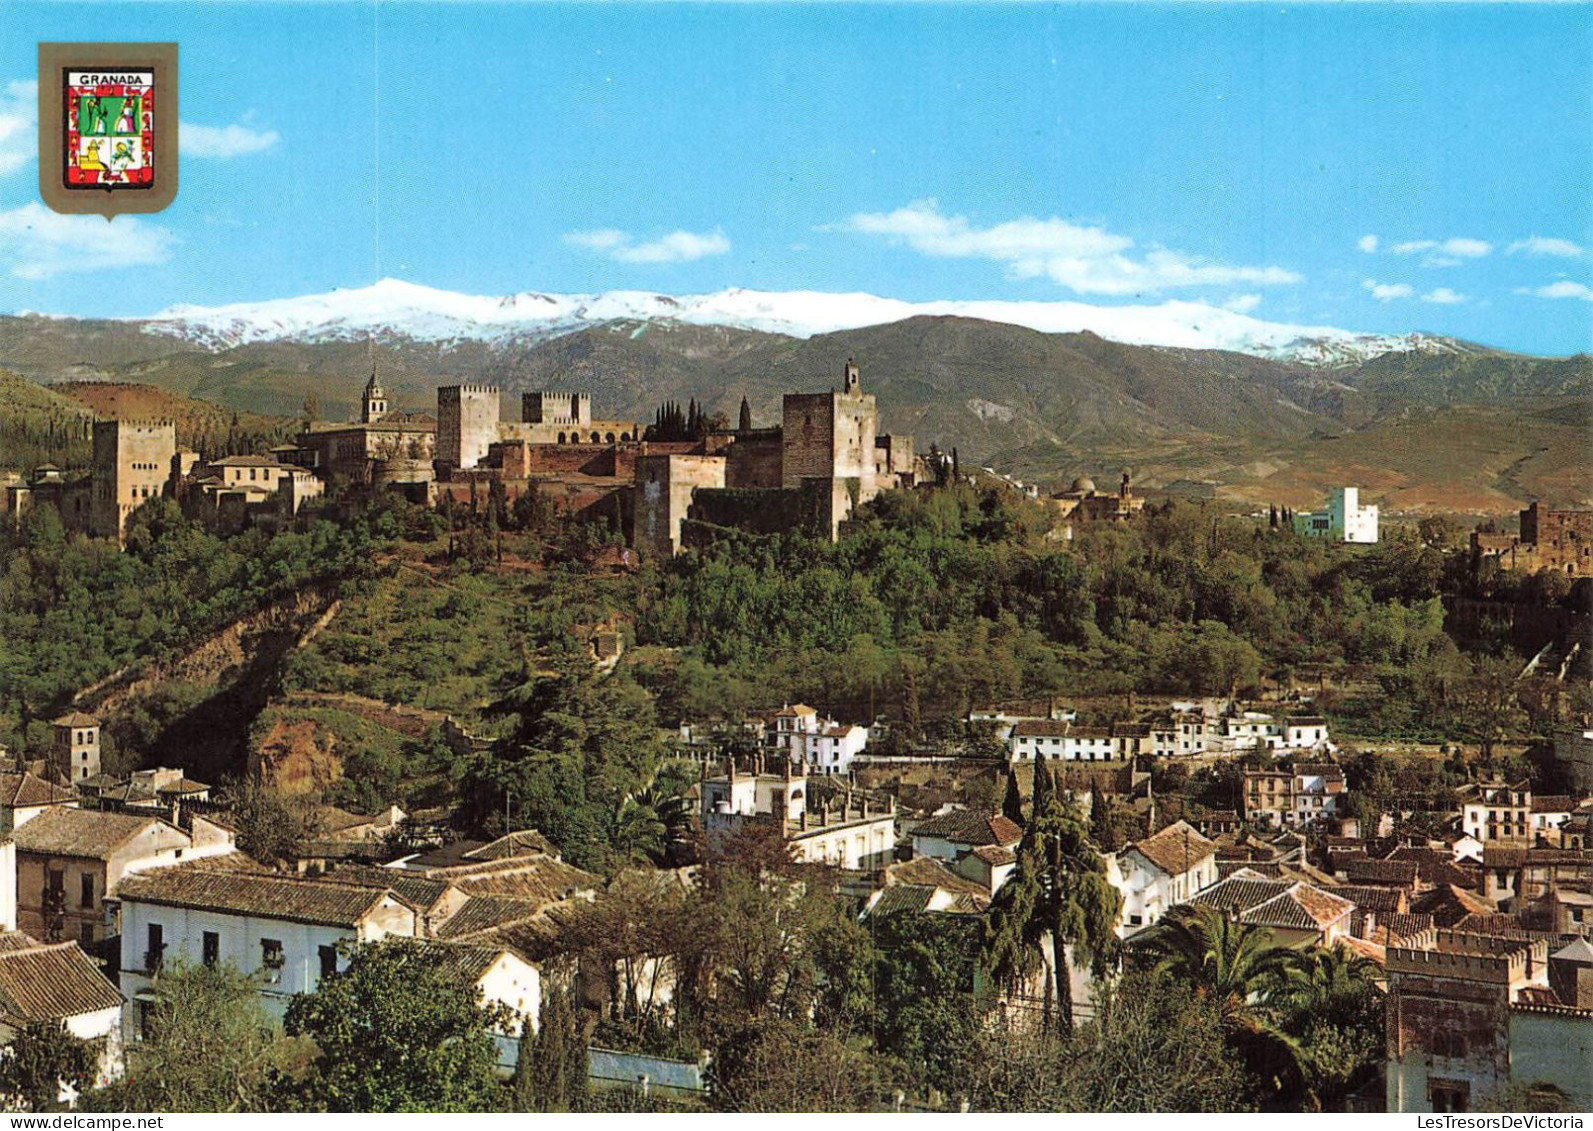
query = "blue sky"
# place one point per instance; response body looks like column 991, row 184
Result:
column 1365, row 166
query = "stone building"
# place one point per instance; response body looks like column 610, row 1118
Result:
column 1549, row 539
column 131, row 464
column 1475, row 1014
column 1082, row 503
column 75, row 747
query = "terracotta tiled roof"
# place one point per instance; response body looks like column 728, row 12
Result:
column 1496, row 923
column 22, row 789
column 52, row 982
column 16, row 940
column 1437, row 867
column 1401, row 873
column 265, row 896
column 484, row 912
column 925, row 871
column 1553, row 803
column 913, row 897
column 970, row 827
column 525, row 842
column 1306, row 721
column 1449, row 904
column 75, row 719
column 464, row 963
column 90, row 833
column 1301, row 907
column 1175, row 849
column 1242, row 890
column 1381, row 900
column 1396, row 928
column 1376, row 952
column 995, row 854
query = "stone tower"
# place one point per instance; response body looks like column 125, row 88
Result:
column 467, row 424
column 75, row 751
column 374, row 405
column 131, row 462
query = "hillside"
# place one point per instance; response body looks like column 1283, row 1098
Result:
column 1463, row 428
column 39, row 425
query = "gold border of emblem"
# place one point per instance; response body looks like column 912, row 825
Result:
column 55, row 59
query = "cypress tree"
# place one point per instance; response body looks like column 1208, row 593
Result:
column 524, row 1083
column 550, row 1084
column 1012, row 803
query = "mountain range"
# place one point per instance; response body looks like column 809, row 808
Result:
column 1182, row 393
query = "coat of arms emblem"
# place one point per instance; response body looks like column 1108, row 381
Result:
column 108, row 126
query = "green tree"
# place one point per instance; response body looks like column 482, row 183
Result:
column 928, row 1010
column 1242, row 970
column 397, row 1030
column 41, row 1059
column 1155, row 1045
column 207, row 1046
column 1057, row 898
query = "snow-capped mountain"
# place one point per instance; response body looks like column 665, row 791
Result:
column 394, row 308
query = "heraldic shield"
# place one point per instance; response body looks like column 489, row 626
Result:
column 108, row 126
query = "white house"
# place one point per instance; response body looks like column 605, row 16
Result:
column 1060, row 740
column 1345, row 520
column 56, row 983
column 822, row 745
column 502, row 977
column 1496, row 811
column 852, row 834
column 976, row 846
column 1160, row 872
column 1304, row 732
column 285, row 928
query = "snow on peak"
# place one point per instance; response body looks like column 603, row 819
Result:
column 396, row 308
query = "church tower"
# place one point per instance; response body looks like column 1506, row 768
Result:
column 374, row 405
column 853, row 385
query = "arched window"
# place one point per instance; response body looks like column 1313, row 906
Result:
column 594, row 438
column 561, row 437
column 609, row 439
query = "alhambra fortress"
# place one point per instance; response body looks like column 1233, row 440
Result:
column 824, row 458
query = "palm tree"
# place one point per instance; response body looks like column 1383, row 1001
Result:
column 1241, row 968
column 1236, row 964
column 1331, row 986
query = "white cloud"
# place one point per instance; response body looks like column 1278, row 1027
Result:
column 19, row 111
column 1443, row 296
column 1388, row 292
column 1445, row 253
column 676, row 247
column 36, row 243
column 1242, row 304
column 598, row 239
column 1367, row 244
column 1544, row 245
column 1565, row 288
column 224, row 141
column 1083, row 259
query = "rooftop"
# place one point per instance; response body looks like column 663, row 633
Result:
column 1175, row 849
column 971, row 827
column 91, row 834
column 51, row 983
column 266, row 896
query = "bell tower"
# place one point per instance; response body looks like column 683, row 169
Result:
column 374, row 404
column 852, row 384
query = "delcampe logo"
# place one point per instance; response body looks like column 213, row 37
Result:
column 107, row 127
